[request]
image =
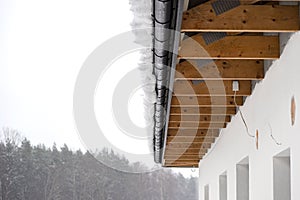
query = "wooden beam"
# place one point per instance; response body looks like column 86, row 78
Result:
column 210, row 88
column 189, row 151
column 189, row 165
column 182, row 157
column 203, row 111
column 244, row 18
column 196, row 125
column 206, row 101
column 220, row 70
column 249, row 2
column 189, row 146
column 199, row 118
column 191, row 137
column 172, row 155
column 193, row 132
column 180, row 139
column 231, row 47
column 182, row 161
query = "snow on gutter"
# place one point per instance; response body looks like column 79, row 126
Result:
column 142, row 26
column 162, row 19
column 155, row 65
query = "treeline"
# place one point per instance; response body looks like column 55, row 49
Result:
column 30, row 172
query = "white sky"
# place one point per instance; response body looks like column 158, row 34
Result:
column 43, row 44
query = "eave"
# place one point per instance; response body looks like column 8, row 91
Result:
column 199, row 101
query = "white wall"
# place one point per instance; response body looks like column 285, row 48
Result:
column 269, row 104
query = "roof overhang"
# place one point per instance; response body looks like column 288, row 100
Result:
column 196, row 77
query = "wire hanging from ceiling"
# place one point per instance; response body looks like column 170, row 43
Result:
column 242, row 116
column 273, row 138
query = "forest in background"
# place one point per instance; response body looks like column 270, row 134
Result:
column 30, row 172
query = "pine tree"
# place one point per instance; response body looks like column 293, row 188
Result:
column 35, row 172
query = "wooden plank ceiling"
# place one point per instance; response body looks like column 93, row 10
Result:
column 225, row 46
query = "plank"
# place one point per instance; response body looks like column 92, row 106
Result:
column 193, row 132
column 203, row 111
column 189, row 151
column 196, row 125
column 249, row 2
column 189, row 146
column 181, row 165
column 220, row 70
column 199, row 118
column 173, row 153
column 231, row 47
column 206, row 101
column 244, row 18
column 190, row 139
column 182, row 161
column 182, row 157
column 210, row 88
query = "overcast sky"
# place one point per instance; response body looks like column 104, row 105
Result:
column 43, row 46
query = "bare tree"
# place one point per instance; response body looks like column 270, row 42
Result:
column 11, row 136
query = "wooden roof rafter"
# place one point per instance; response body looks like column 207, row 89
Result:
column 228, row 46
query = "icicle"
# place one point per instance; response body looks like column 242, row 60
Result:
column 142, row 26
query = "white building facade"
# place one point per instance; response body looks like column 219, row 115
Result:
column 264, row 162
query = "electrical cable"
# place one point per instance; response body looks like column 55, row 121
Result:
column 221, row 133
column 242, row 116
column 271, row 135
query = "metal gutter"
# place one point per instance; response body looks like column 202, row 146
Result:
column 162, row 19
column 166, row 15
column 177, row 39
